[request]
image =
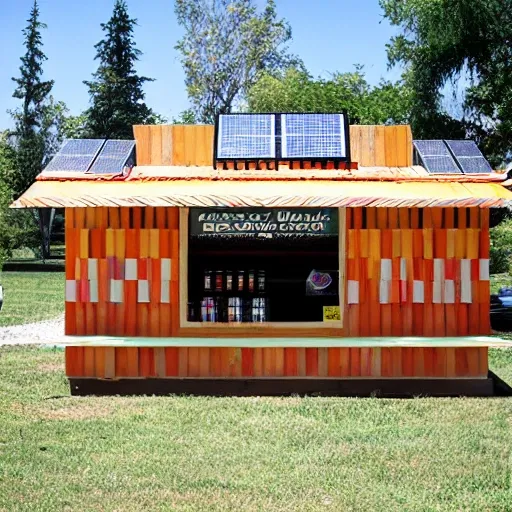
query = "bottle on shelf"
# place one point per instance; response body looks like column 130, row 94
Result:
column 234, row 309
column 261, row 281
column 207, row 282
column 229, row 280
column 250, row 281
column 219, row 281
column 241, row 281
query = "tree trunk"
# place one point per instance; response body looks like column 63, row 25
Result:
column 46, row 216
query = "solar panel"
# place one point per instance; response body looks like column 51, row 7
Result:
column 436, row 157
column 468, row 156
column 114, row 157
column 246, row 136
column 75, row 155
column 75, row 147
column 313, row 136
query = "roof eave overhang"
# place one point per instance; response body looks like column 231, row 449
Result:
column 197, row 193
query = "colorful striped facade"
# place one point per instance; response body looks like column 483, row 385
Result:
column 408, row 272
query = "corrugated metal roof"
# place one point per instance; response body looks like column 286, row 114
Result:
column 201, row 193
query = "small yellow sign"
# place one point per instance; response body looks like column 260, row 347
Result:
column 332, row 313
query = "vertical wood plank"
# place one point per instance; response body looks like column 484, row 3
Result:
column 143, row 139
column 312, row 362
column 171, row 361
column 391, row 149
column 345, row 364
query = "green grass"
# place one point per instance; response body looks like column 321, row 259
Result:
column 31, row 296
column 184, row 453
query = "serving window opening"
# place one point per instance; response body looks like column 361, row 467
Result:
column 263, row 265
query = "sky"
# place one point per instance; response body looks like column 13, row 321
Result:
column 329, row 35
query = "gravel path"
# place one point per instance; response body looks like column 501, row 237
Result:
column 48, row 331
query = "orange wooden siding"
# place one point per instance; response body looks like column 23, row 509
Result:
column 417, row 272
column 105, row 245
column 414, row 244
column 276, row 362
column 192, row 145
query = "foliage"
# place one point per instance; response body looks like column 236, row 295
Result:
column 501, row 248
column 116, row 90
column 186, row 117
column 17, row 227
column 226, row 46
column 75, row 127
column 33, row 135
column 445, row 42
column 297, row 91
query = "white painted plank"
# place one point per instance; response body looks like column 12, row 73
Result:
column 143, row 291
column 92, row 269
column 437, row 293
column 438, row 270
column 385, row 269
column 166, row 269
column 403, row 269
column 116, row 291
column 465, row 281
column 449, row 292
column 93, row 290
column 353, row 292
column 484, row 270
column 418, row 292
column 165, row 292
column 131, row 269
column 70, row 290
column 384, row 294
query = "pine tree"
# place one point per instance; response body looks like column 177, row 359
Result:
column 116, row 90
column 32, row 129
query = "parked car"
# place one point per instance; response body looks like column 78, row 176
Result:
column 501, row 310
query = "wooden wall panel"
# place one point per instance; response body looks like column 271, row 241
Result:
column 412, row 273
column 192, row 145
column 387, row 146
column 429, row 246
column 106, row 246
column 189, row 145
column 275, row 362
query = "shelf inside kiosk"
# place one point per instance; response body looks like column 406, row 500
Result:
column 262, row 276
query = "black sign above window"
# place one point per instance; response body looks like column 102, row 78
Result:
column 266, row 223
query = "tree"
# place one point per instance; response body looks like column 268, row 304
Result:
column 457, row 42
column 36, row 134
column 32, row 121
column 226, row 46
column 186, row 117
column 297, row 91
column 17, row 228
column 116, row 90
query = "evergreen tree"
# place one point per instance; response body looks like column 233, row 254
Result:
column 32, row 127
column 116, row 90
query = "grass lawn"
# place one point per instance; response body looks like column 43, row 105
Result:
column 31, row 296
column 186, row 453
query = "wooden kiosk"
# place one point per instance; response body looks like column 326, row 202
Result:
column 405, row 257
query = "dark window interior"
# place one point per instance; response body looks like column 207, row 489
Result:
column 286, row 264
